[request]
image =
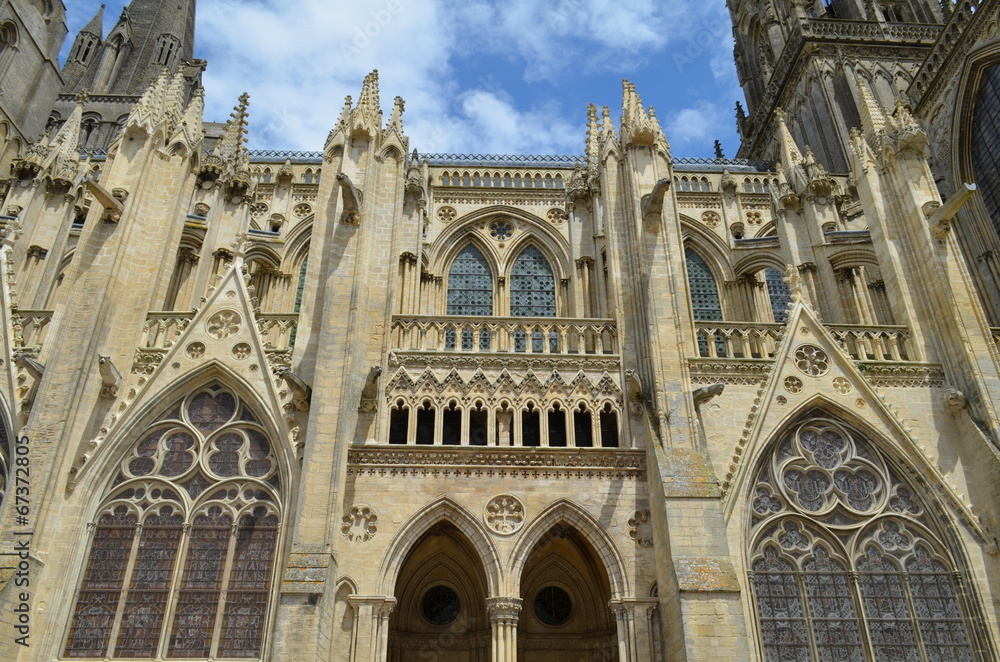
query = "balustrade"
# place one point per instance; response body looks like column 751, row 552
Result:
column 760, row 341
column 477, row 335
column 163, row 329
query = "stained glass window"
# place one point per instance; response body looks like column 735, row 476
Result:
column 778, row 292
column 704, row 292
column 532, row 286
column 470, row 285
column 986, row 143
column 172, row 578
column 828, row 506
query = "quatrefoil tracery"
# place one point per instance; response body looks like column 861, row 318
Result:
column 822, row 470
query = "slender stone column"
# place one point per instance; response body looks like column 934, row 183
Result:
column 504, row 614
column 371, row 627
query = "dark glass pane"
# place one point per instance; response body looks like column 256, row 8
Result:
column 451, row 427
column 201, row 587
column 258, row 465
column 477, row 428
column 835, row 624
column 150, row 587
column 553, row 606
column 779, row 604
column 470, row 285
column 226, row 462
column 249, row 587
column 583, row 431
column 609, row 429
column 425, row 427
column 440, row 605
column 399, row 425
column 208, row 412
column 938, row 614
column 777, row 290
column 531, row 430
column 889, row 619
column 986, row 143
column 177, row 459
column 532, row 286
column 704, row 293
column 101, row 591
column 557, row 429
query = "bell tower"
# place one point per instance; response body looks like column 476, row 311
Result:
column 116, row 69
column 813, row 59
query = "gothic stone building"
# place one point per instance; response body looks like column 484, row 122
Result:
column 374, row 405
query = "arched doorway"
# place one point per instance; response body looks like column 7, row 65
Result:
column 566, row 590
column 441, row 602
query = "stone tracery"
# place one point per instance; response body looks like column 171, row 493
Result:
column 839, row 539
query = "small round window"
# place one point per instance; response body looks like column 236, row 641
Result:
column 553, row 606
column 440, row 605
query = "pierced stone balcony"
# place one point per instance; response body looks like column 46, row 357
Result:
column 760, row 341
column 545, row 336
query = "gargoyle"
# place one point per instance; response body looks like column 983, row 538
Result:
column 111, row 378
column 112, row 203
column 369, row 394
column 31, row 366
column 634, row 389
column 652, row 205
column 301, row 392
column 706, row 393
column 351, row 198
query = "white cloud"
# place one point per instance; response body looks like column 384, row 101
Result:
column 698, row 127
column 299, row 62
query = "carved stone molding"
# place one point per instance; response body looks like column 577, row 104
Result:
column 640, row 528
column 476, row 463
column 360, row 524
column 504, row 515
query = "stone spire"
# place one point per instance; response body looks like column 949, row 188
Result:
column 593, row 138
column 368, row 115
column 96, row 25
column 396, row 119
column 161, row 106
column 639, row 126
column 63, row 162
column 231, row 146
column 788, row 148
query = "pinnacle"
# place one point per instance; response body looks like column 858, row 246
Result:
column 96, row 24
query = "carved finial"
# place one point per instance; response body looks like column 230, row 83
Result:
column 396, row 119
column 241, row 245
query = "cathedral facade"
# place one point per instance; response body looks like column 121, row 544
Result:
column 373, row 405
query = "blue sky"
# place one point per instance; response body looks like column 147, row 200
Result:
column 478, row 76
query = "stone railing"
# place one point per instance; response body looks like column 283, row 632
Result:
column 30, row 328
column 484, row 335
column 738, row 341
column 759, row 341
column 874, row 343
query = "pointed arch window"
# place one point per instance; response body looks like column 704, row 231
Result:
column 704, row 292
column 778, row 293
column 986, row 143
column 182, row 554
column 532, row 286
column 470, row 284
column 841, row 545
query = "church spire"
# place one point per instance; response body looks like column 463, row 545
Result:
column 96, row 25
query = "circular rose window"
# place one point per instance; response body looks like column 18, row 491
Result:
column 440, row 605
column 553, row 606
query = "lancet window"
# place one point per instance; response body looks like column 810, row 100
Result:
column 704, row 292
column 183, row 548
column 846, row 560
column 532, row 286
column 986, row 143
column 778, row 293
column 470, row 284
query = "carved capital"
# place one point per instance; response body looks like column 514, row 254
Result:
column 504, row 610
